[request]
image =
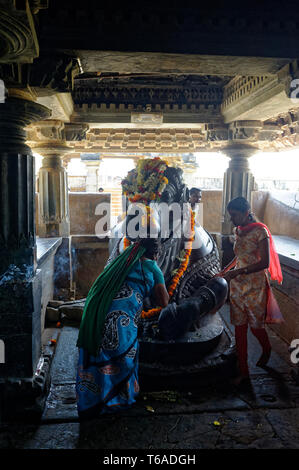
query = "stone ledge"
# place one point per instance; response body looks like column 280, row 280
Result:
column 45, row 247
column 288, row 250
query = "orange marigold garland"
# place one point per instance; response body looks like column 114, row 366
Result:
column 176, row 278
column 127, row 243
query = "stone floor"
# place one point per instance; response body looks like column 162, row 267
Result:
column 214, row 417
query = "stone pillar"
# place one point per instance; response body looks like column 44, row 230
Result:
column 91, row 177
column 92, row 163
column 54, row 218
column 238, row 180
column 20, row 283
column 47, row 138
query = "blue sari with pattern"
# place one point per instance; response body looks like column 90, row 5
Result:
column 108, row 382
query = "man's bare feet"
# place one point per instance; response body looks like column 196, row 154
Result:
column 263, row 360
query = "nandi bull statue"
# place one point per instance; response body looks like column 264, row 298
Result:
column 188, row 330
column 188, row 337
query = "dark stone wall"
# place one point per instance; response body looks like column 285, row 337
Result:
column 20, row 305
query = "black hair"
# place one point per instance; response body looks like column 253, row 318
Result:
column 240, row 204
column 152, row 246
column 194, row 190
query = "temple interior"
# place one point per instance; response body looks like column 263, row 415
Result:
column 101, row 85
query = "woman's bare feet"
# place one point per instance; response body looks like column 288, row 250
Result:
column 263, row 360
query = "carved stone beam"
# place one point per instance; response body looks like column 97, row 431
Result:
column 216, row 132
column 76, row 132
column 256, row 98
column 54, row 73
column 51, row 77
column 244, row 130
column 269, row 133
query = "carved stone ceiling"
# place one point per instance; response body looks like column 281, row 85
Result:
column 178, row 78
column 181, row 77
column 181, row 113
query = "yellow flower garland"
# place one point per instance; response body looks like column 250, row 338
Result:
column 147, row 182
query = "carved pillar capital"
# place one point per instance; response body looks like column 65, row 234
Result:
column 238, row 180
column 239, row 149
column 48, row 138
column 244, row 131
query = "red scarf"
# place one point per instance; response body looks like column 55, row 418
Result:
column 274, row 267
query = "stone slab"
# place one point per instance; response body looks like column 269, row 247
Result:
column 66, row 357
column 61, row 403
column 266, row 393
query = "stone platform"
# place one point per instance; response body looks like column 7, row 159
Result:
column 204, row 417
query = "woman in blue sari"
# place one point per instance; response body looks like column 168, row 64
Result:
column 107, row 377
